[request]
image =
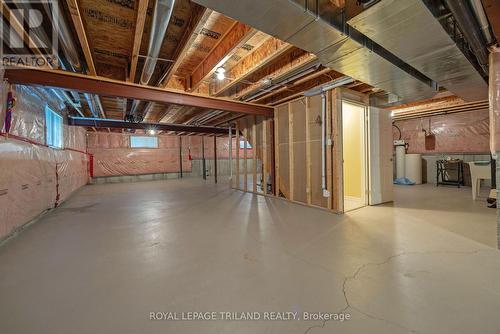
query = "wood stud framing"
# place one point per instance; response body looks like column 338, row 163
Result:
column 291, row 160
column 254, row 154
column 308, row 152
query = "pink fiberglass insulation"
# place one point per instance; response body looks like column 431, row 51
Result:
column 35, row 177
column 465, row 132
column 114, row 157
column 494, row 93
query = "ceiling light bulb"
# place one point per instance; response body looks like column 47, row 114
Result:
column 220, row 75
column 220, row 70
column 152, row 132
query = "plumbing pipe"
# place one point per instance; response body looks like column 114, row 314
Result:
column 478, row 10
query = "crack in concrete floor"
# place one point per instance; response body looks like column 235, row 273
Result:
column 356, row 273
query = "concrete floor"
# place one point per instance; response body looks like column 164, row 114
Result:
column 114, row 253
column 450, row 208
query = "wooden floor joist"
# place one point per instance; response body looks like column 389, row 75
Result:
column 237, row 36
column 114, row 88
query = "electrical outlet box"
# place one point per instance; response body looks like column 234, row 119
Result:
column 326, row 193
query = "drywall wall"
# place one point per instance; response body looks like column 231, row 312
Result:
column 34, row 177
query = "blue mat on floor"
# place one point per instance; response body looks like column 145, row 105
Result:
column 404, row 181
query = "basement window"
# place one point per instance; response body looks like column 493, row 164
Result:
column 242, row 144
column 143, row 142
column 53, row 128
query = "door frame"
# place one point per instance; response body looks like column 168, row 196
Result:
column 356, row 98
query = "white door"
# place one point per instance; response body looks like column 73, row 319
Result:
column 380, row 156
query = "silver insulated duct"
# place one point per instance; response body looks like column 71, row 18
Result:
column 410, row 31
column 162, row 12
column 306, row 25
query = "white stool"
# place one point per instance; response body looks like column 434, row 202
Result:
column 479, row 170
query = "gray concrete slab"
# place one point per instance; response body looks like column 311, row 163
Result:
column 113, row 253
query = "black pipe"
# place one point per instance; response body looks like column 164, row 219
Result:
column 464, row 16
column 215, row 158
column 180, row 154
column 204, row 165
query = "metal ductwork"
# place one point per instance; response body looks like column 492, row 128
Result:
column 161, row 17
column 65, row 37
column 162, row 13
column 467, row 22
column 409, row 30
column 309, row 25
column 478, row 9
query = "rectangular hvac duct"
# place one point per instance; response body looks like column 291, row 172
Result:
column 409, row 30
column 298, row 23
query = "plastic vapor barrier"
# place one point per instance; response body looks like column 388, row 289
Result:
column 113, row 155
column 495, row 101
column 455, row 133
column 34, row 177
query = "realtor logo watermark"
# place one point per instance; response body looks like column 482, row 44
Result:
column 29, row 33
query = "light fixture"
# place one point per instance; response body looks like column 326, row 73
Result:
column 152, row 132
column 220, row 73
column 267, row 81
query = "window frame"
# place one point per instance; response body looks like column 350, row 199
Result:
column 143, row 136
column 242, row 145
column 49, row 124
